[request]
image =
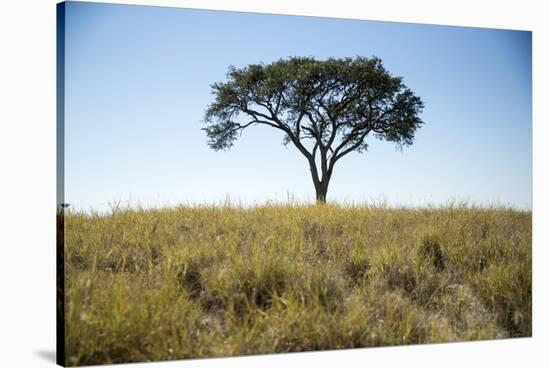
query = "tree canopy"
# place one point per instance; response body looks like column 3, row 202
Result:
column 325, row 108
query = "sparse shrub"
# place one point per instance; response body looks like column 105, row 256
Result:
column 189, row 277
column 400, row 276
column 357, row 268
column 259, row 287
column 432, row 250
column 213, row 301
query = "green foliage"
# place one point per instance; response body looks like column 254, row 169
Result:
column 216, row 281
column 314, row 99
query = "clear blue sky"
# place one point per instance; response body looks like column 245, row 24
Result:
column 138, row 81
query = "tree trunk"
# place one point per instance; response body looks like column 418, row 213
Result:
column 321, row 190
column 321, row 186
column 321, row 196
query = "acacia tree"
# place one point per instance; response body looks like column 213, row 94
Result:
column 325, row 108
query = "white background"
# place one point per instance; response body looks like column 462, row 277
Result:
column 27, row 181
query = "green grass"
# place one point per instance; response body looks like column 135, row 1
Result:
column 188, row 282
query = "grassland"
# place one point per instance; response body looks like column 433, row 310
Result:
column 190, row 282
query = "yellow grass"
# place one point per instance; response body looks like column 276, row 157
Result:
column 189, row 282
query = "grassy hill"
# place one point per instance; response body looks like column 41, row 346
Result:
column 217, row 281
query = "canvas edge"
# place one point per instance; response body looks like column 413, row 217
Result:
column 60, row 184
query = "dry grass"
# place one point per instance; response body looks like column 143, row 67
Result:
column 188, row 282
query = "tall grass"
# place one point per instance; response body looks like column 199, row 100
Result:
column 144, row 285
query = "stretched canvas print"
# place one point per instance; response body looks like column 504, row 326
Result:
column 236, row 183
